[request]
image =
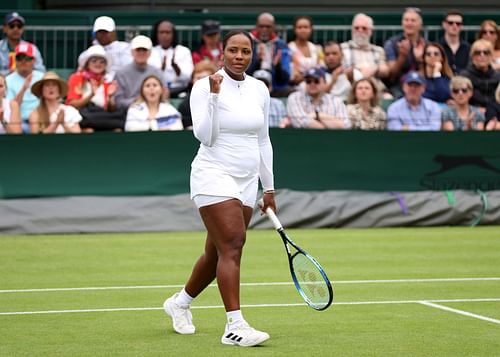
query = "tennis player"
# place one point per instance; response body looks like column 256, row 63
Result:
column 230, row 119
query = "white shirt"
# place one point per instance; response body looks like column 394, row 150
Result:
column 184, row 60
column 6, row 114
column 233, row 129
column 167, row 118
column 71, row 117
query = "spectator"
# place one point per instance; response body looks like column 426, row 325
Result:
column 10, row 117
column 490, row 32
column 493, row 112
column 51, row 116
column 305, row 54
column 130, row 77
column 211, row 44
column 462, row 115
column 13, row 28
column 456, row 49
column 201, row 69
column 405, row 51
column 363, row 109
column 19, row 82
column 117, row 52
column 272, row 54
column 338, row 77
column 484, row 78
column 360, row 54
column 437, row 73
column 173, row 59
column 277, row 110
column 151, row 111
column 314, row 107
column 93, row 95
column 413, row 112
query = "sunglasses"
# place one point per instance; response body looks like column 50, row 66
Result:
column 458, row 90
column 360, row 28
column 433, row 53
column 481, row 52
column 23, row 58
column 16, row 25
column 489, row 32
column 312, row 80
column 451, row 23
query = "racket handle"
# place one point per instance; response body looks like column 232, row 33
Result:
column 272, row 216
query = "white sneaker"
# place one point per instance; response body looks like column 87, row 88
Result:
column 243, row 335
column 182, row 319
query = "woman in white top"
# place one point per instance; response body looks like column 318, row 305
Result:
column 10, row 116
column 51, row 116
column 230, row 119
column 150, row 111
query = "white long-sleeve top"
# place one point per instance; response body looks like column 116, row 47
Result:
column 233, row 128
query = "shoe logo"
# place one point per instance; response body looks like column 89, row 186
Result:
column 234, row 337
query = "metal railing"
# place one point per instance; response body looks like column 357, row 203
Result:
column 61, row 45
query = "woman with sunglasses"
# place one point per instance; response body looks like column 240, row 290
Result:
column 462, row 115
column 437, row 73
column 489, row 31
column 482, row 75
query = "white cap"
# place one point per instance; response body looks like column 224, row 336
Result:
column 105, row 23
column 141, row 42
column 92, row 51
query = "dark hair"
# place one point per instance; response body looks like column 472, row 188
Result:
column 234, row 33
column 331, row 43
column 445, row 69
column 352, row 99
column 453, row 12
column 297, row 19
column 154, row 32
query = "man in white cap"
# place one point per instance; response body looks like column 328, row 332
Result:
column 130, row 77
column 117, row 52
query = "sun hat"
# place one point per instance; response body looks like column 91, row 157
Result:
column 36, row 89
column 92, row 51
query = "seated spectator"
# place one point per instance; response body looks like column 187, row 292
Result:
column 456, row 49
column 437, row 73
column 20, row 81
column 493, row 112
column 272, row 54
column 201, row 70
column 462, row 115
column 305, row 54
column 172, row 58
column 405, row 51
column 413, row 112
column 13, row 28
column 363, row 109
column 277, row 110
column 117, row 52
column 51, row 116
column 315, row 108
column 92, row 94
column 130, row 77
column 490, row 32
column 211, row 44
column 338, row 77
column 151, row 111
column 10, row 117
column 480, row 71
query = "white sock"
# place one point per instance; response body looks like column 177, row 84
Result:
column 183, row 298
column 234, row 317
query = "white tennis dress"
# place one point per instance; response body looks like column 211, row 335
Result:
column 233, row 129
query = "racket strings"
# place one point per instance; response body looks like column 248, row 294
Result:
column 311, row 281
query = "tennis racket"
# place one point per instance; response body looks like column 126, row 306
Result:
column 309, row 277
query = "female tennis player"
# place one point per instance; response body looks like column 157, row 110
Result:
column 230, row 119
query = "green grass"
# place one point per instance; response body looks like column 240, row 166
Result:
column 370, row 318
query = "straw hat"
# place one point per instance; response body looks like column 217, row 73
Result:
column 36, row 88
column 92, row 51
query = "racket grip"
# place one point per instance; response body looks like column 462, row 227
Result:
column 272, row 216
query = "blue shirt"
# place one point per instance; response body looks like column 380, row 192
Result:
column 30, row 101
column 425, row 117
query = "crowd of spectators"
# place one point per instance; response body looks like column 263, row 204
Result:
column 448, row 84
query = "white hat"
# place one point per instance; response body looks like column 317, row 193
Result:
column 92, row 51
column 105, row 23
column 141, row 42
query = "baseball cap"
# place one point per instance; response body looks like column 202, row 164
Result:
column 315, row 73
column 263, row 75
column 209, row 27
column 13, row 16
column 414, row 77
column 141, row 41
column 25, row 48
column 104, row 23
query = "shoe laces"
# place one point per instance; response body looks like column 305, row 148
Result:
column 183, row 315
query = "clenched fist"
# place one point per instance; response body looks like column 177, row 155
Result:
column 215, row 80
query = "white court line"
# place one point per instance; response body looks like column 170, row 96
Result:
column 390, row 302
column 461, row 312
column 379, row 281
